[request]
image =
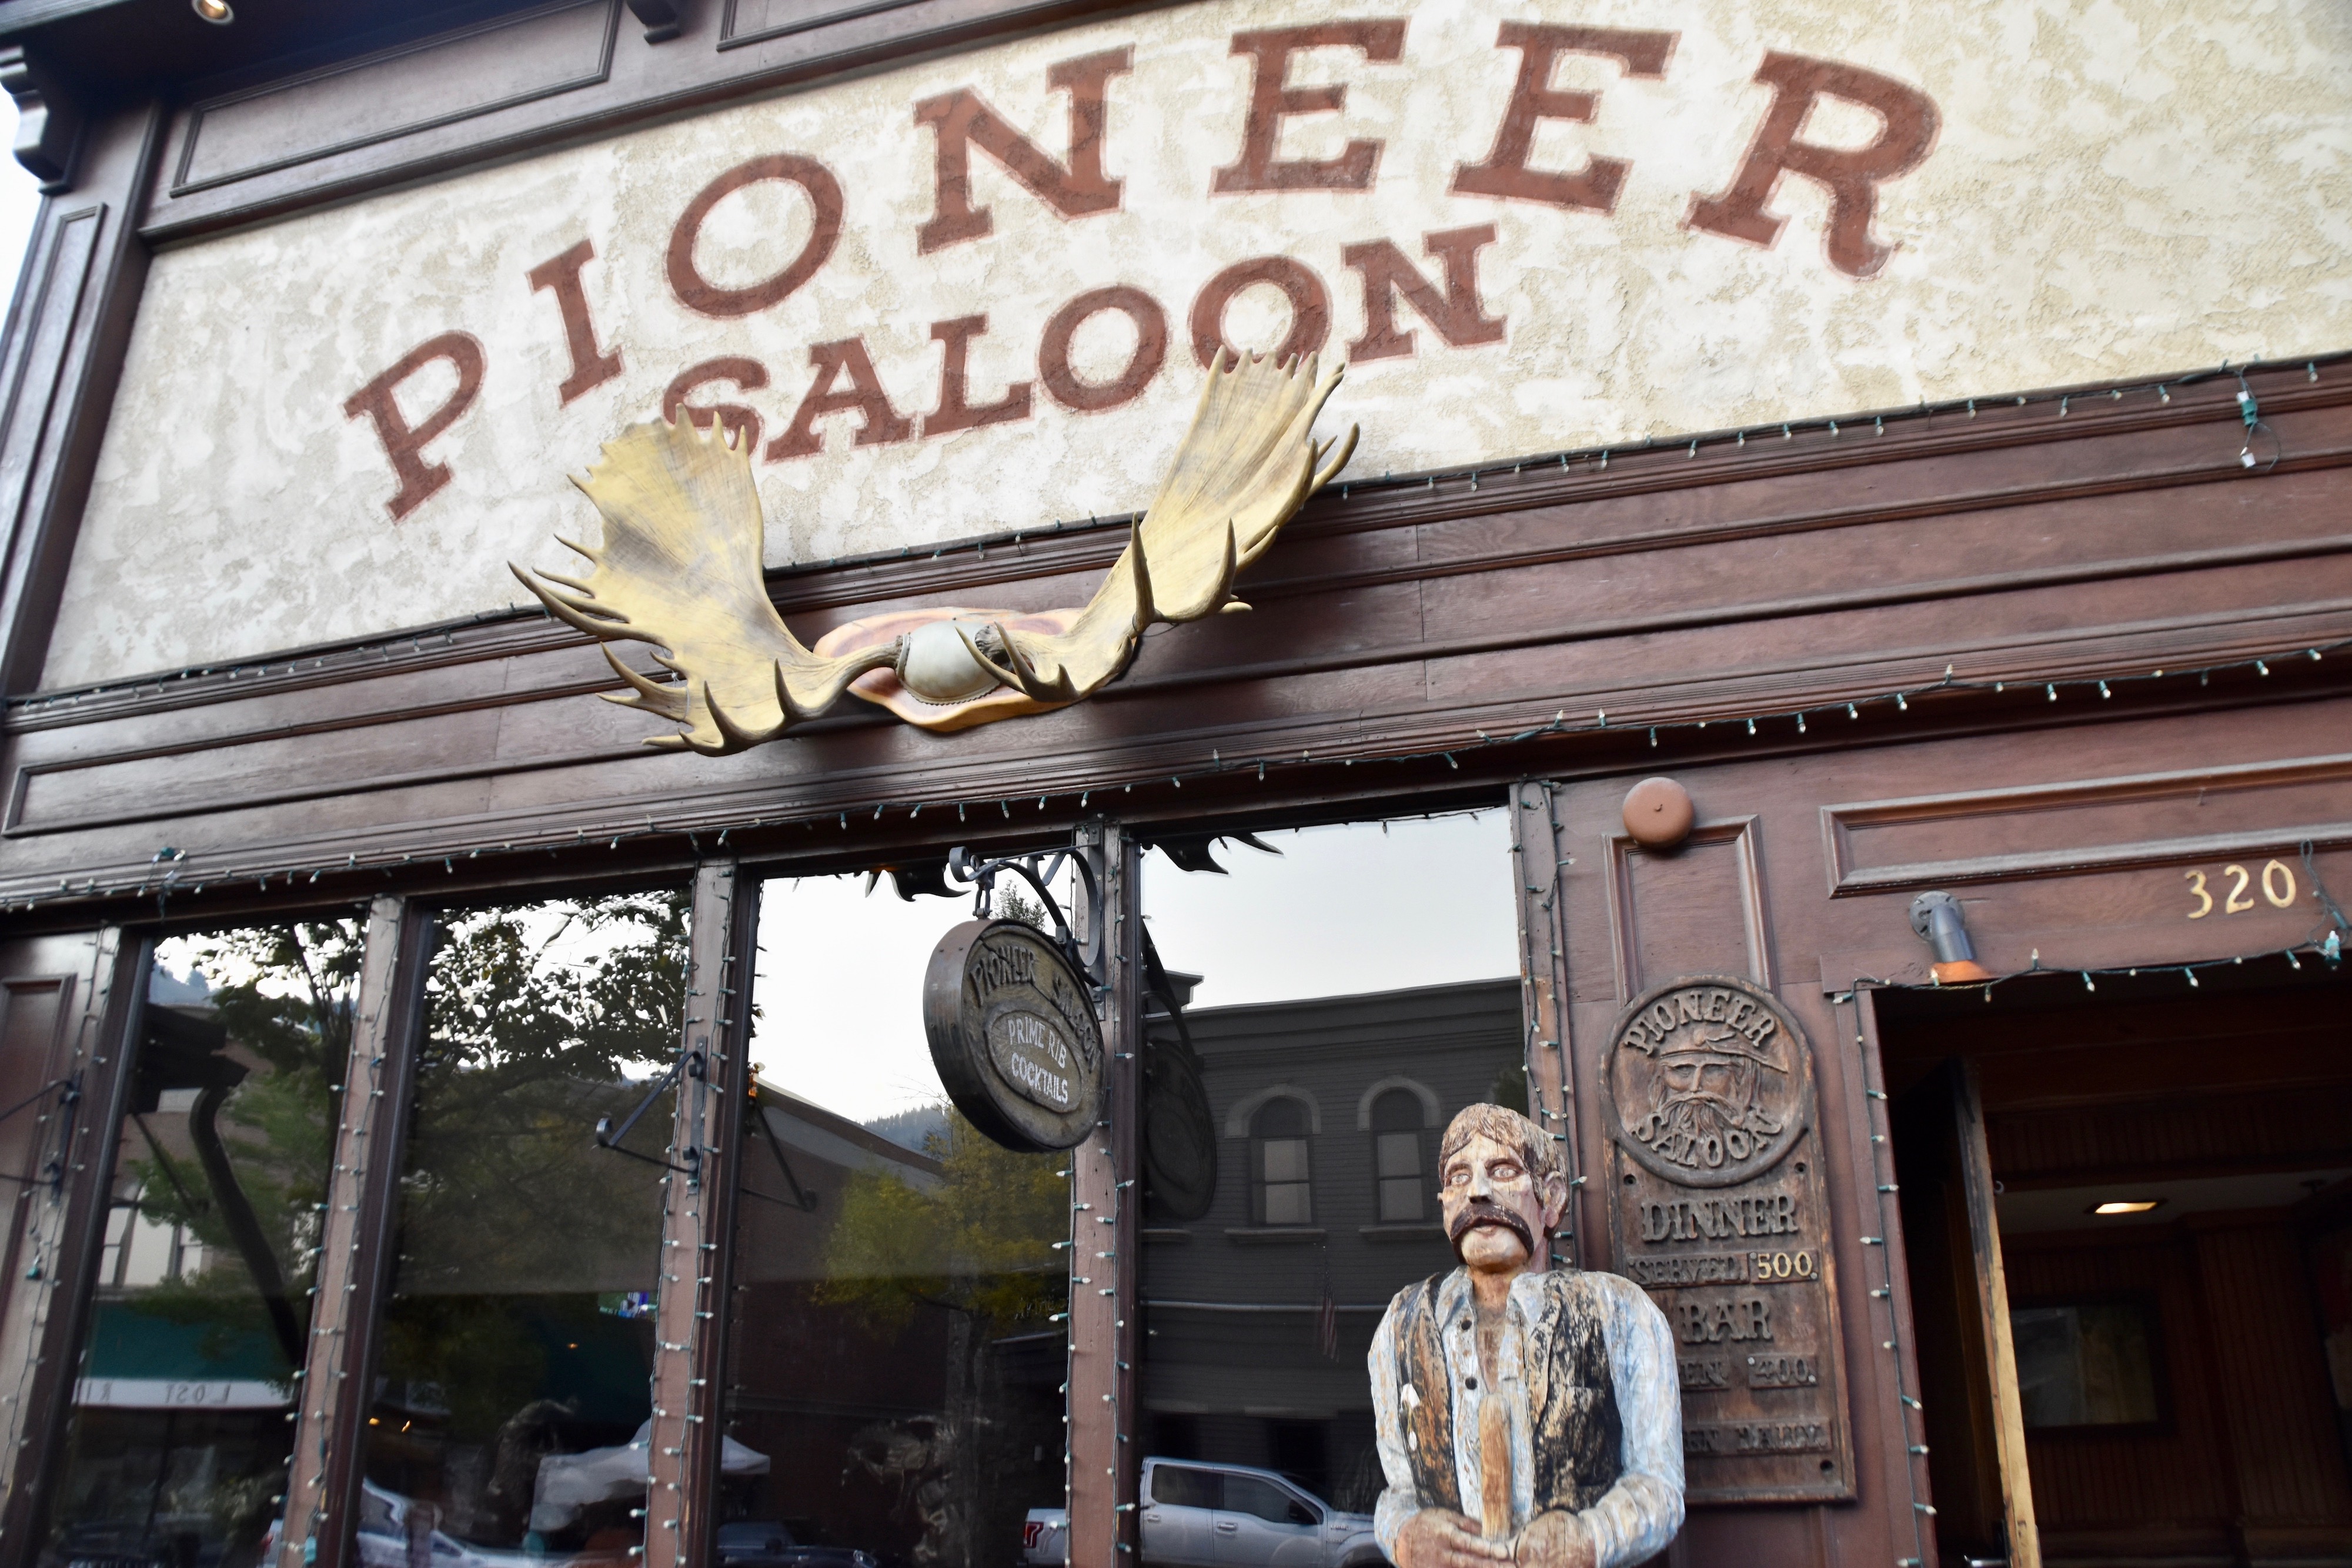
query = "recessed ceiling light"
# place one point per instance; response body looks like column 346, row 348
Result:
column 2127, row 1206
column 216, row 12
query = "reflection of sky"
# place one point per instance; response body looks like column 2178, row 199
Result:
column 1340, row 910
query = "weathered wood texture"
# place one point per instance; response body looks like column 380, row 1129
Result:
column 370, row 111
column 1105, row 1403
column 697, row 1219
column 71, row 1004
column 1793, row 576
column 333, row 1399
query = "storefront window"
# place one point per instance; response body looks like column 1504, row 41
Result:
column 1346, row 996
column 516, row 1350
column 177, row 1443
column 895, row 1374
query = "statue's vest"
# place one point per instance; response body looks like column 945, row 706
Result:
column 1572, row 1397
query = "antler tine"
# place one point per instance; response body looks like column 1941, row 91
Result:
column 1325, row 474
column 670, row 702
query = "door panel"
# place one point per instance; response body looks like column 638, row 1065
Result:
column 1262, row 1526
column 1179, row 1515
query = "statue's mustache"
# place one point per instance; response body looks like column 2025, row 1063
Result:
column 1486, row 1211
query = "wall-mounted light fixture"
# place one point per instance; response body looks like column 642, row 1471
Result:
column 2127, row 1206
column 1936, row 918
column 216, row 12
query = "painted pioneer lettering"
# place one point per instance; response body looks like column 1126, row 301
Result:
column 1534, row 100
column 1083, row 180
column 961, row 120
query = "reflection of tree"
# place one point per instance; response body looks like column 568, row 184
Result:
column 979, row 1247
column 259, row 1203
column 512, row 1220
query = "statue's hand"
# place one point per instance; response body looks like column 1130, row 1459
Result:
column 1554, row 1539
column 1440, row 1538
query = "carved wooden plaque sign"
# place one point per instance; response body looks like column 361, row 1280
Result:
column 1719, row 1212
column 1012, row 1032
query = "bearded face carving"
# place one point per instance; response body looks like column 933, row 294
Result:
column 1704, row 1106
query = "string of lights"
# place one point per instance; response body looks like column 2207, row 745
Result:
column 1909, row 1413
column 176, row 874
column 2325, row 941
column 1587, row 460
column 45, row 1202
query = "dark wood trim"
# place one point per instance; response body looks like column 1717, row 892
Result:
column 688, row 1429
column 648, row 83
column 68, row 332
column 191, row 138
column 1107, row 1311
column 363, row 1220
column 724, row 1132
column 957, row 570
column 102, row 1015
column 1537, row 858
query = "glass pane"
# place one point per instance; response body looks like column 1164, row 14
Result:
column 895, row 1371
column 1326, row 971
column 1182, row 1487
column 1285, row 1159
column 2089, row 1365
column 511, row 1390
column 1288, row 1205
column 1400, row 1154
column 1251, row 1494
column 177, row 1444
column 1401, row 1201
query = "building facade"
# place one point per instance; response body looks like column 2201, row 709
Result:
column 445, row 1128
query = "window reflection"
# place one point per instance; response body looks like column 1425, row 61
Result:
column 178, row 1440
column 516, row 1345
column 894, row 1349
column 1349, row 995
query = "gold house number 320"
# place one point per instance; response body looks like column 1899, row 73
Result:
column 2277, row 888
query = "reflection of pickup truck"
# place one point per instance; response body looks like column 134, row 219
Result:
column 1222, row 1516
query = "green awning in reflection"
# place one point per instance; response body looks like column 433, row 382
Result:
column 141, row 1359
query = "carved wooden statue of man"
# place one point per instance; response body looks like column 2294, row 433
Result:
column 1525, row 1414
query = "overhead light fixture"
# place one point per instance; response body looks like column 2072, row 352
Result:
column 2129, row 1206
column 1937, row 919
column 216, row 12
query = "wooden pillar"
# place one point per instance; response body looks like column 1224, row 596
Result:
column 355, row 1240
column 72, row 1005
column 698, row 1221
column 1106, row 1231
column 1537, row 858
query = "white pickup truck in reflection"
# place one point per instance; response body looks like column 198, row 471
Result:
column 1199, row 1515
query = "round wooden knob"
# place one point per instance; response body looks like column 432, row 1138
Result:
column 1658, row 813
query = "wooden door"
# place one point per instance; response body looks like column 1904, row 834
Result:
column 1967, row 1365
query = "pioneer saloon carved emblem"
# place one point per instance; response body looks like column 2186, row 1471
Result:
column 1012, row 1032
column 679, row 567
column 1707, row 1083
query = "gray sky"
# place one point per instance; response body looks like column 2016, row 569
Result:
column 1340, row 910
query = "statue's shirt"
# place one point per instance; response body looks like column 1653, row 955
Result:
column 1635, row 1495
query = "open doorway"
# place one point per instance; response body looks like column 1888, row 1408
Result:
column 2127, row 1217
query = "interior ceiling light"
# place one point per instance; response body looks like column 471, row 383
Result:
column 216, row 12
column 2127, row 1206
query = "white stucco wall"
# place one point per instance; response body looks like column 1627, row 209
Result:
column 2119, row 188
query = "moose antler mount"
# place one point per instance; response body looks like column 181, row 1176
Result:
column 679, row 567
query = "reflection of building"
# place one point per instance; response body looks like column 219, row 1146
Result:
column 1327, row 1113
column 900, row 1399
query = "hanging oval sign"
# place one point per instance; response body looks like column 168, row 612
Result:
column 1708, row 1080
column 1012, row 1032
